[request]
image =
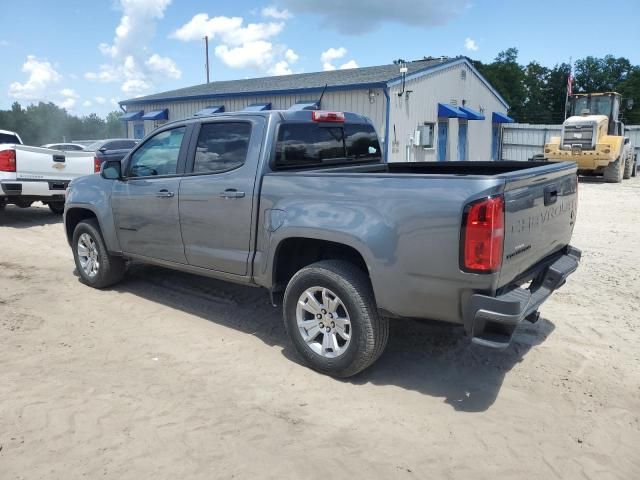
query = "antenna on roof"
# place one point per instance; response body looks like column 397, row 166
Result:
column 322, row 95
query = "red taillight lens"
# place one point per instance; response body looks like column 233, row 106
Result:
column 8, row 161
column 333, row 117
column 96, row 164
column 483, row 235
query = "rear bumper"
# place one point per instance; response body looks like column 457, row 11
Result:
column 33, row 190
column 492, row 320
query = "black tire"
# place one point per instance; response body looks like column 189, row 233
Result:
column 57, row 207
column 614, row 171
column 111, row 268
column 628, row 167
column 369, row 331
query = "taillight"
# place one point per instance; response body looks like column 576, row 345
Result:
column 483, row 235
column 8, row 161
column 333, row 117
column 96, row 164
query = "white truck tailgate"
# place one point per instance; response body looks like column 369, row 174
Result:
column 35, row 163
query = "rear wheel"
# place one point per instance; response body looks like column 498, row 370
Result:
column 332, row 319
column 614, row 171
column 96, row 267
column 57, row 207
column 628, row 166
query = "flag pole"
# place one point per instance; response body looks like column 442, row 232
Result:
column 569, row 87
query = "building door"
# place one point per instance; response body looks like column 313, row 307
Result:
column 462, row 140
column 495, row 141
column 138, row 130
column 443, row 133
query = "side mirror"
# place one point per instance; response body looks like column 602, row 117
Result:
column 111, row 170
column 102, row 150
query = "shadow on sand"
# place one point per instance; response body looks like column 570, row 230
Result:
column 427, row 357
column 37, row 215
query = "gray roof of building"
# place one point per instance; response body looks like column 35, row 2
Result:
column 336, row 79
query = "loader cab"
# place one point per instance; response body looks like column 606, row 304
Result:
column 607, row 104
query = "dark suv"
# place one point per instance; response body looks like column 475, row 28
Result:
column 111, row 149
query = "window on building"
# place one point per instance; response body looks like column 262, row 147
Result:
column 222, row 146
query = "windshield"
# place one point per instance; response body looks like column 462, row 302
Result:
column 94, row 146
column 595, row 105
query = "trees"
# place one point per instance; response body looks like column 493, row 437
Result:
column 47, row 123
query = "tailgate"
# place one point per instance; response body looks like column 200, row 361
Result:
column 34, row 163
column 540, row 212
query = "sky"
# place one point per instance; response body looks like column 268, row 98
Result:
column 86, row 56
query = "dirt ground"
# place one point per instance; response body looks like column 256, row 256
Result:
column 172, row 376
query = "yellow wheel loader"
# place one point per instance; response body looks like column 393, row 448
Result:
column 593, row 137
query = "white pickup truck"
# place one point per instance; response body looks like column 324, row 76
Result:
column 32, row 174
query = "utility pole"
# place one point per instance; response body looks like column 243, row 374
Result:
column 206, row 54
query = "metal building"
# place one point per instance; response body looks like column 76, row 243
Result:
column 428, row 110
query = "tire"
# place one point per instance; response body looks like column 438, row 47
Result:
column 349, row 295
column 628, row 166
column 634, row 170
column 109, row 269
column 614, row 171
column 57, row 207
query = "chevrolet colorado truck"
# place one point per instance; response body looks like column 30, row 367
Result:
column 32, row 174
column 303, row 204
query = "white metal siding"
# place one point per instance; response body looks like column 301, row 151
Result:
column 358, row 101
column 521, row 141
column 410, row 111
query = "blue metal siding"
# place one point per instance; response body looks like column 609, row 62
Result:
column 462, row 140
column 443, row 134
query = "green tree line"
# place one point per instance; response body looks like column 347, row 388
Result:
column 42, row 123
column 537, row 94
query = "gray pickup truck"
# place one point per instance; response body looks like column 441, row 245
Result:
column 302, row 204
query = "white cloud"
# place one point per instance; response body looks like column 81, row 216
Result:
column 370, row 14
column 132, row 64
column 114, row 102
column 70, row 98
column 329, row 56
column 348, row 65
column 273, row 12
column 100, row 100
column 41, row 76
column 281, row 68
column 241, row 45
column 254, row 54
column 87, row 103
column 291, row 56
column 470, row 44
column 332, row 54
column 163, row 65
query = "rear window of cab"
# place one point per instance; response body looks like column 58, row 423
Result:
column 302, row 145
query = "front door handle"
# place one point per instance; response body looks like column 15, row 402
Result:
column 232, row 193
column 164, row 194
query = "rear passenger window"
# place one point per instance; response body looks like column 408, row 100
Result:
column 221, row 146
column 309, row 144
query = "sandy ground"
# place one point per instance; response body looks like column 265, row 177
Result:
column 171, row 376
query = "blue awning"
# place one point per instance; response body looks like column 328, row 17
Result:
column 306, row 105
column 257, row 107
column 449, row 111
column 210, row 110
column 131, row 116
column 157, row 115
column 472, row 114
column 498, row 117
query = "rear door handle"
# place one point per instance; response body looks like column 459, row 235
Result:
column 232, row 193
column 164, row 194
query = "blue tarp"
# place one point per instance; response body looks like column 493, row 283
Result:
column 306, row 105
column 131, row 116
column 449, row 111
column 257, row 107
column 498, row 117
column 157, row 115
column 472, row 114
column 210, row 110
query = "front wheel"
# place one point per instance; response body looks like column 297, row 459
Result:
column 96, row 267
column 332, row 320
column 629, row 166
column 57, row 207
